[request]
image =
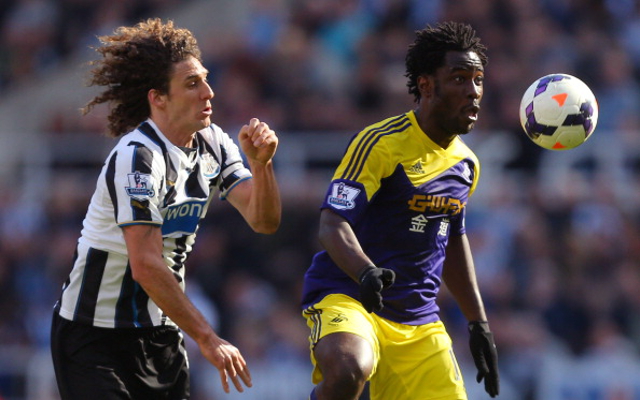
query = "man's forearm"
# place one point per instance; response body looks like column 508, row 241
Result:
column 337, row 237
column 163, row 288
column 265, row 208
column 460, row 278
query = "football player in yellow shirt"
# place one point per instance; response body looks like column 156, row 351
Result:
column 392, row 226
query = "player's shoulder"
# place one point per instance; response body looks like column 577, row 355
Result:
column 388, row 126
column 380, row 134
column 141, row 137
column 135, row 139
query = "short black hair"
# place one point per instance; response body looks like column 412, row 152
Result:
column 427, row 53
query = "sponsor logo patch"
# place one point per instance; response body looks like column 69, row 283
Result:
column 183, row 218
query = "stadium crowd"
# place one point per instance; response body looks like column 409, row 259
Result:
column 556, row 236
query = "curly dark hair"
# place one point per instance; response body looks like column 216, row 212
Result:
column 135, row 60
column 427, row 53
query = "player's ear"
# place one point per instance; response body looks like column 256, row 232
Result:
column 425, row 86
column 155, row 98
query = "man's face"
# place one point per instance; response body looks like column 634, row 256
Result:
column 457, row 92
column 188, row 103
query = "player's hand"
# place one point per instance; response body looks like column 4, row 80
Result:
column 258, row 141
column 229, row 362
column 372, row 281
column 485, row 356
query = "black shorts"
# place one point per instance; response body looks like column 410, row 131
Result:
column 133, row 363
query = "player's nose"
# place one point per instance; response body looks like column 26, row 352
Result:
column 208, row 92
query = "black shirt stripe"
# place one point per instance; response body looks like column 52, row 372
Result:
column 131, row 309
column 91, row 280
column 109, row 178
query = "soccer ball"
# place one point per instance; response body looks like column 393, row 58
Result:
column 558, row 112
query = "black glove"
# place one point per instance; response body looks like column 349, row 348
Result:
column 372, row 281
column 485, row 356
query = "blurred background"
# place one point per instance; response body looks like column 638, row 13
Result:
column 556, row 235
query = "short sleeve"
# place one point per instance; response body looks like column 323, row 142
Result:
column 135, row 177
column 358, row 177
column 458, row 223
column 227, row 153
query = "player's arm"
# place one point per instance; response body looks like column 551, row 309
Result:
column 460, row 277
column 258, row 199
column 339, row 240
column 144, row 246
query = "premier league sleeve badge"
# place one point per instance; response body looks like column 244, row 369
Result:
column 140, row 186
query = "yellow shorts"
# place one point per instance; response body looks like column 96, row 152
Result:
column 410, row 362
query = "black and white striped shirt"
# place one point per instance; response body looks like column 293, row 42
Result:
column 145, row 180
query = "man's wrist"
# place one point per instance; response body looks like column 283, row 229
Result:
column 253, row 163
column 364, row 271
column 481, row 325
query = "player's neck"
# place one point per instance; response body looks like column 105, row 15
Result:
column 437, row 135
column 177, row 136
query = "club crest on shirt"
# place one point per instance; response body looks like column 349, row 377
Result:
column 343, row 196
column 140, row 185
column 210, row 167
column 466, row 172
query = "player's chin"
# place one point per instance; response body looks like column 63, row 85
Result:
column 466, row 128
column 204, row 122
column 464, row 124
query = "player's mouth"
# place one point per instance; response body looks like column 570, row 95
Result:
column 207, row 111
column 471, row 112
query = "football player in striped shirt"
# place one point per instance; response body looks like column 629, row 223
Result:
column 392, row 226
column 117, row 327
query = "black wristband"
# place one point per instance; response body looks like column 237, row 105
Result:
column 481, row 325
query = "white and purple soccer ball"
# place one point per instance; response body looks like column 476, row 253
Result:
column 558, row 112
